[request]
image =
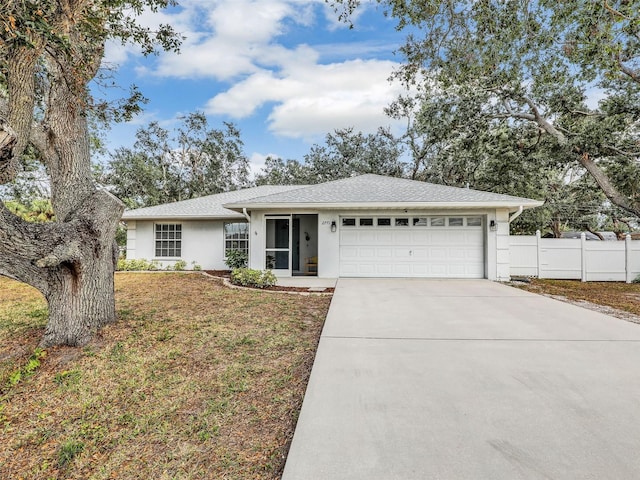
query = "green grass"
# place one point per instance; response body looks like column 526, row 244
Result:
column 195, row 381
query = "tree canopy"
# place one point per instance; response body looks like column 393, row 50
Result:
column 344, row 154
column 162, row 167
column 539, row 64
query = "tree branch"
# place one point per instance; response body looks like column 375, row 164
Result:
column 544, row 123
column 622, row 152
column 605, row 184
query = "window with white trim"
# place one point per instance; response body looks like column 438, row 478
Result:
column 236, row 237
column 168, row 238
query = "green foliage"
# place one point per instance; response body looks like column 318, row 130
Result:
column 36, row 211
column 637, row 279
column 121, row 235
column 524, row 70
column 192, row 161
column 178, row 266
column 344, row 154
column 68, row 451
column 236, row 259
column 67, row 378
column 195, row 267
column 28, row 369
column 134, row 265
column 248, row 277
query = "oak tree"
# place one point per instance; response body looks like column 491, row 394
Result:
column 50, row 51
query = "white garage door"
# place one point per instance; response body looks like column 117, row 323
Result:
column 410, row 246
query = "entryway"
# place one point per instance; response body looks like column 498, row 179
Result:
column 292, row 244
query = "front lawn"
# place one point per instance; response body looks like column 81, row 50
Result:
column 195, row 381
column 621, row 296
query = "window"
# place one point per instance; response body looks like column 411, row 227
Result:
column 236, row 237
column 384, row 222
column 348, row 222
column 168, row 240
column 420, row 221
column 402, row 222
column 474, row 222
column 366, row 222
column 456, row 221
column 437, row 222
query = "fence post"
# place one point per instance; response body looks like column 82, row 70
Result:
column 627, row 256
column 583, row 245
column 538, row 256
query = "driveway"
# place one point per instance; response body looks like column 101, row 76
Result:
column 467, row 379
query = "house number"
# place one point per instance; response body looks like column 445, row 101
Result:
column 326, row 222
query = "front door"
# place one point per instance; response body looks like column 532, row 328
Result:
column 278, row 245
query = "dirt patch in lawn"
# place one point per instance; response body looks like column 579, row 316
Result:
column 618, row 299
column 194, row 381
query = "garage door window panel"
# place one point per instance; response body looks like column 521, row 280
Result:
column 348, row 222
column 437, row 221
column 402, row 222
column 420, row 222
column 456, row 221
column 384, row 222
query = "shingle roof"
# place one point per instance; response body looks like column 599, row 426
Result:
column 373, row 189
column 205, row 207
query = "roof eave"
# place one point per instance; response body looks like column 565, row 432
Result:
column 386, row 205
column 182, row 217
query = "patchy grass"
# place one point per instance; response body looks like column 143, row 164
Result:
column 195, row 381
column 621, row 296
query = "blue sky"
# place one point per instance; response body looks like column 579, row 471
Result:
column 285, row 71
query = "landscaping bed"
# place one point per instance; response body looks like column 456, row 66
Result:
column 194, row 381
column 275, row 288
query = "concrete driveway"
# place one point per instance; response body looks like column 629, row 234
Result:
column 467, row 379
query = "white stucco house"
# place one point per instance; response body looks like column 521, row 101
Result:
column 365, row 226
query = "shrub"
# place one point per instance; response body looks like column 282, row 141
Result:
column 236, row 259
column 179, row 266
column 125, row 265
column 195, row 267
column 637, row 279
column 248, row 277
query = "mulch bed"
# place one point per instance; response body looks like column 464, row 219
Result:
column 276, row 288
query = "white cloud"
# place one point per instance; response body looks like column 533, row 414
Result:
column 243, row 43
column 314, row 99
column 257, row 162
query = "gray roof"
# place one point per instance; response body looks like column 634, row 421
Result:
column 204, row 207
column 376, row 190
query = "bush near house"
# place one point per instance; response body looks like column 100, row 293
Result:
column 236, row 259
column 248, row 277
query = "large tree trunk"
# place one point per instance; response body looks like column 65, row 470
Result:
column 72, row 263
column 81, row 299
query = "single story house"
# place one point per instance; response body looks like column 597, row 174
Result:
column 364, row 226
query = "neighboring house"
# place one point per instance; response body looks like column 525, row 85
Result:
column 365, row 226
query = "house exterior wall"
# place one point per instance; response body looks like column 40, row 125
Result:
column 496, row 242
column 202, row 243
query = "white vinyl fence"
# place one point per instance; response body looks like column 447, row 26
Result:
column 574, row 258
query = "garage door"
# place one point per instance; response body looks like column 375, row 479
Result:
column 408, row 246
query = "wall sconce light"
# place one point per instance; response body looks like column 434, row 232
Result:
column 306, row 236
column 492, row 226
column 334, row 227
